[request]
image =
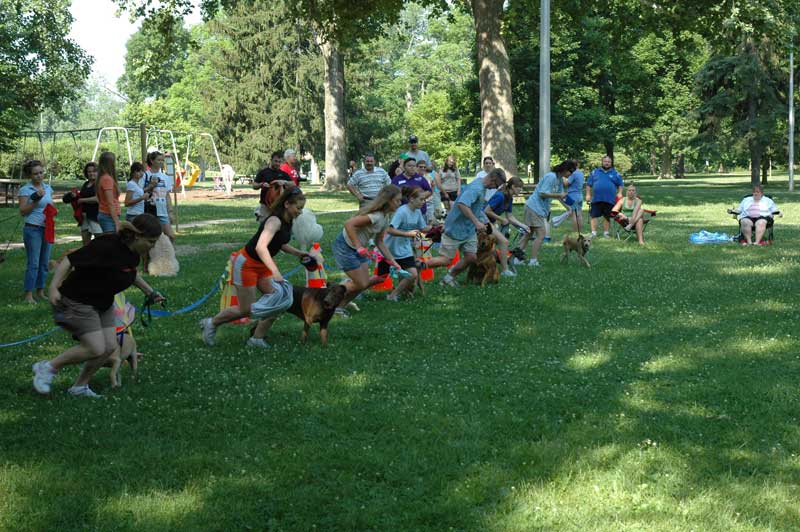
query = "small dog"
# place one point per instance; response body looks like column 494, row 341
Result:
column 127, row 351
column 306, row 230
column 484, row 269
column 316, row 305
column 579, row 245
column 162, row 258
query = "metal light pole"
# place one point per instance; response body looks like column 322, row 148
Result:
column 791, row 119
column 544, row 89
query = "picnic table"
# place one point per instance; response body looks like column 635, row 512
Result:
column 10, row 188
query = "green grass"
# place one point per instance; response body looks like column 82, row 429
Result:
column 656, row 391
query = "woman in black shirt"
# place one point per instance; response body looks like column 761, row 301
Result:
column 254, row 266
column 90, row 227
column 82, row 294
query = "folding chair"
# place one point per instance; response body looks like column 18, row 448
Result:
column 769, row 232
column 647, row 215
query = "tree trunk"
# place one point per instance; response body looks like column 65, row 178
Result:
column 666, row 159
column 494, row 74
column 766, row 165
column 653, row 162
column 335, row 137
column 681, row 173
column 756, row 153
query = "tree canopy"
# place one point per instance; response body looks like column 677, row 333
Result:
column 39, row 65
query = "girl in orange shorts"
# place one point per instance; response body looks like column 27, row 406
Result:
column 254, row 266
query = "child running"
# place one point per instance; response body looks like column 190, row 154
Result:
column 406, row 224
column 349, row 248
column 499, row 209
column 254, row 266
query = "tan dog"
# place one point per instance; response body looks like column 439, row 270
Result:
column 484, row 269
column 579, row 245
column 120, row 354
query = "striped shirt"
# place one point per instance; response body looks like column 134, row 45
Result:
column 369, row 183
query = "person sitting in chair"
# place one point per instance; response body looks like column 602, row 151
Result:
column 630, row 212
column 755, row 211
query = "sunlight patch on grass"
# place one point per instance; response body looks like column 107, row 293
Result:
column 156, row 508
column 668, row 364
column 585, row 361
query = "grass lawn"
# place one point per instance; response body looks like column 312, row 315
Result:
column 656, row 391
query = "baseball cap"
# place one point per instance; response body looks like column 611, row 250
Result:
column 413, row 139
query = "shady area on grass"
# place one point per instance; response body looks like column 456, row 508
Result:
column 655, row 391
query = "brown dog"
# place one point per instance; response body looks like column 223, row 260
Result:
column 316, row 305
column 484, row 269
column 579, row 245
column 125, row 352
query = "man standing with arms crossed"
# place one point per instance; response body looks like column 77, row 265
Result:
column 365, row 182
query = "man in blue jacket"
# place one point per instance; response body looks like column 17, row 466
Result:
column 602, row 189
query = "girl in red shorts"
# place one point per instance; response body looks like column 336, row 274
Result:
column 254, row 266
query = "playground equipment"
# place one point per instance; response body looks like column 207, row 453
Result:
column 113, row 128
column 228, row 182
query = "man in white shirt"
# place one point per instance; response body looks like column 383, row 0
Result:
column 365, row 183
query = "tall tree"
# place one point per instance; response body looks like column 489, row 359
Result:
column 40, row 66
column 494, row 73
column 154, row 58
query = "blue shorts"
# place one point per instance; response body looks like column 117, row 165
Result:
column 346, row 257
column 577, row 203
column 163, row 219
column 106, row 223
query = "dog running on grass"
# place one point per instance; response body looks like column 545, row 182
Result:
column 579, row 245
column 315, row 305
column 484, row 269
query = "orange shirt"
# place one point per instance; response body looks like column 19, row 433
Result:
column 106, row 182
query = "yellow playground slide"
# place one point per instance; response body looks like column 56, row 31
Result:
column 195, row 174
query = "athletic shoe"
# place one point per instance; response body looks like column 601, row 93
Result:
column 42, row 377
column 594, row 234
column 83, row 391
column 392, row 298
column 517, row 262
column 257, row 342
column 606, row 234
column 448, row 280
column 547, row 240
column 508, row 273
column 533, row 262
column 352, row 306
column 342, row 313
column 209, row 331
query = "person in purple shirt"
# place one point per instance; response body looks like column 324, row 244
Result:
column 416, row 180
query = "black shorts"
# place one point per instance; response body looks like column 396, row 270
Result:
column 754, row 220
column 406, row 263
column 452, row 195
column 601, row 208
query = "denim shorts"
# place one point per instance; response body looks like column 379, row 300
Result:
column 346, row 257
column 106, row 223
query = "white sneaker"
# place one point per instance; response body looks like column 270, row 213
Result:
column 448, row 280
column 392, row 298
column 606, row 235
column 558, row 220
column 352, row 306
column 42, row 377
column 83, row 391
column 533, row 262
column 516, row 262
column 594, row 234
column 209, row 331
column 342, row 313
column 257, row 342
column 508, row 273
